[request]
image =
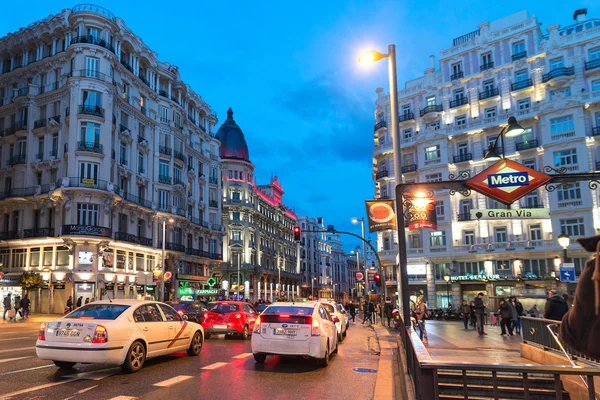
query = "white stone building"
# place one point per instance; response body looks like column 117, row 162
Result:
column 100, row 142
column 549, row 81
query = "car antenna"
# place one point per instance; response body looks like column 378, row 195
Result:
column 106, row 294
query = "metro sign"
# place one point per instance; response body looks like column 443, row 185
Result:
column 507, row 181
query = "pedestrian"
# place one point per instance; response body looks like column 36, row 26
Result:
column 366, row 313
column 473, row 315
column 25, row 303
column 87, row 300
column 93, row 299
column 567, row 300
column 79, row 301
column 420, row 315
column 533, row 311
column 352, row 311
column 69, row 306
column 7, row 306
column 505, row 313
column 517, row 315
column 387, row 311
column 18, row 307
column 480, row 307
column 372, row 310
column 465, row 309
column 556, row 306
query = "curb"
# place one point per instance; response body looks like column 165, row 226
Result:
column 384, row 384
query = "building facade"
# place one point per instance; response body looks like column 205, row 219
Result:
column 260, row 259
column 102, row 143
column 316, row 258
column 549, row 81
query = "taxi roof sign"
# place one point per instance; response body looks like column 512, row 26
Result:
column 507, row 181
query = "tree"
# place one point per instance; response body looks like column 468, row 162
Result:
column 30, row 280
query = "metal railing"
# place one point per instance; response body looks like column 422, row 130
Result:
column 465, row 38
column 486, row 66
column 172, row 246
column 530, row 144
column 131, row 238
column 93, row 40
column 457, row 75
column 91, row 147
column 96, row 111
column 409, row 168
column 37, row 232
column 525, row 83
column 93, row 8
column 165, row 150
column 213, row 203
column 164, row 179
column 16, row 160
column 17, row 192
column 432, row 108
column 464, row 217
column 407, row 116
column 86, row 183
column 381, row 174
column 592, row 64
column 93, row 74
column 555, row 73
column 462, row 157
column 379, row 125
column 486, row 94
column 179, row 155
column 518, row 56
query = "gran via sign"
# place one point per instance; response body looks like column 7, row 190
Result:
column 521, row 213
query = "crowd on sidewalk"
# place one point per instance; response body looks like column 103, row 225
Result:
column 16, row 308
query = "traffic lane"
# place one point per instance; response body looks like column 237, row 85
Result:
column 97, row 381
column 285, row 378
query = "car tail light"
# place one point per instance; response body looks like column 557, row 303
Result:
column 257, row 325
column 180, row 313
column 100, row 335
column 334, row 318
column 315, row 331
column 42, row 334
column 284, row 316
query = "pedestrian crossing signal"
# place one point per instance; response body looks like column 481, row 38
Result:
column 297, row 233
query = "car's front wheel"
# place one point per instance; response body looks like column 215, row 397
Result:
column 195, row 345
column 244, row 335
column 260, row 358
column 136, row 356
column 64, row 364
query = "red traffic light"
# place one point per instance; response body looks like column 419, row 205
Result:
column 297, row 233
column 377, row 277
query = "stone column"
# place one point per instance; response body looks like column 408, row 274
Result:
column 169, row 89
column 54, row 40
column 431, row 289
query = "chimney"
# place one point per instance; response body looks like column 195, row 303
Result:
column 580, row 15
column 432, row 62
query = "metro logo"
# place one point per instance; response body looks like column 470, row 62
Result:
column 509, row 179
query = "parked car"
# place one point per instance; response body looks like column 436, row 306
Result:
column 295, row 329
column 117, row 332
column 193, row 310
column 342, row 309
column 338, row 318
column 262, row 307
column 229, row 318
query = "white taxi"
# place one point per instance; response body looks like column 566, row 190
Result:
column 117, row 332
column 295, row 329
column 338, row 317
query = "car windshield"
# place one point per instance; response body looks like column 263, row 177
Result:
column 98, row 311
column 279, row 310
column 261, row 307
column 330, row 309
column 223, row 308
column 179, row 305
column 340, row 308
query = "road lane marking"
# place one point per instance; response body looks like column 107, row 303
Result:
column 13, row 359
column 86, row 389
column 95, row 375
column 243, row 355
column 17, row 349
column 33, row 389
column 123, row 398
column 26, row 369
column 215, row 365
column 173, row 381
column 18, row 338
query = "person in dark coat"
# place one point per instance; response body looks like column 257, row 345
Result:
column 473, row 315
column 480, row 312
column 79, row 301
column 387, row 311
column 465, row 309
column 352, row 311
column 506, row 314
column 69, row 306
column 25, row 303
column 517, row 322
column 556, row 306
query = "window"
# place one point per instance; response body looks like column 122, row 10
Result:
column 521, row 76
column 434, row 177
column 90, row 133
column 469, row 237
column 556, row 63
column 596, row 85
column 88, row 171
column 432, row 153
column 92, row 99
column 437, row 238
column 406, row 110
column 488, row 86
column 465, row 207
column 566, row 157
column 532, row 200
column 456, row 68
column 439, row 208
column 431, row 101
column 91, row 67
column 535, row 232
column 523, row 104
column 147, row 313
column 530, row 163
column 594, row 54
column 569, row 192
column 572, row 227
column 462, row 148
column 414, row 241
column 164, row 116
column 565, row 92
column 518, row 47
column 170, row 314
column 163, row 199
column 87, row 214
column 490, row 112
column 500, row 235
column 235, row 216
column 163, row 168
column 177, row 172
column 407, row 134
column 461, row 120
column 486, row 59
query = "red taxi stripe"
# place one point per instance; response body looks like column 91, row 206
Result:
column 178, row 334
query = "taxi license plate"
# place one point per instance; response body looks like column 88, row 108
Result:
column 220, row 326
column 282, row 331
column 68, row 332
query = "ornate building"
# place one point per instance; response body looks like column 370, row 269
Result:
column 100, row 143
column 316, row 258
column 259, row 248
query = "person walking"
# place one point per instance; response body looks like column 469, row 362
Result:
column 473, row 315
column 420, row 315
column 366, row 313
column 69, row 306
column 465, row 309
column 556, row 306
column 87, row 300
column 480, row 307
column 79, row 301
column 352, row 311
column 505, row 314
column 387, row 311
column 372, row 312
column 7, row 306
column 25, row 303
column 517, row 314
column 18, row 307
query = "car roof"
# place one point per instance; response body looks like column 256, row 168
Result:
column 125, row 302
column 294, row 304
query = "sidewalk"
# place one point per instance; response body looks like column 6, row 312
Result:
column 34, row 319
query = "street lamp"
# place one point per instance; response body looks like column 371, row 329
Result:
column 162, row 264
column 564, row 241
column 513, row 129
column 362, row 227
column 447, row 279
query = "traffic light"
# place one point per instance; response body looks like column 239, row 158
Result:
column 378, row 280
column 297, row 233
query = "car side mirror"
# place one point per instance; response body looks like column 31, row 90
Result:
column 184, row 317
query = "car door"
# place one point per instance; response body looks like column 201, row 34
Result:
column 250, row 313
column 149, row 320
column 179, row 337
column 328, row 327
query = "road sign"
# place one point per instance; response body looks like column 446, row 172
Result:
column 282, row 293
column 567, row 272
column 507, row 181
column 360, row 276
column 521, row 213
column 168, row 275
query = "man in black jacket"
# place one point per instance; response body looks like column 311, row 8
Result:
column 352, row 311
column 387, row 311
column 556, row 306
column 480, row 311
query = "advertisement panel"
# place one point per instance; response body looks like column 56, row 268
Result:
column 381, row 215
column 421, row 213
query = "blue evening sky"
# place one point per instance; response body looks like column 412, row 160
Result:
column 289, row 71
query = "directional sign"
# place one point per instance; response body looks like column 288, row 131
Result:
column 521, row 213
column 567, row 272
column 507, row 181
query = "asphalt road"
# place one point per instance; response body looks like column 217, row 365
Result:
column 225, row 369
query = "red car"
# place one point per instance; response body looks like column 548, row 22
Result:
column 230, row 318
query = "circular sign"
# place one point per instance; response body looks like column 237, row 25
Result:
column 211, row 282
column 282, row 293
column 381, row 212
column 1, row 275
column 359, row 276
column 168, row 275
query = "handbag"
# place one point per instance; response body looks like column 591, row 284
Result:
column 11, row 313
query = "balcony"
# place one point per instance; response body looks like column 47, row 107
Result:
column 164, row 120
column 123, row 162
column 92, row 147
column 138, row 200
column 96, row 111
column 461, row 101
column 522, row 84
column 163, row 93
column 123, row 128
column 464, row 217
column 592, row 64
column 49, row 88
column 408, row 168
column 533, row 204
column 557, row 72
column 173, row 246
column 20, row 126
column 141, row 139
column 141, row 171
column 213, row 203
column 53, row 153
column 16, row 160
column 595, row 131
column 86, row 230
column 85, row 183
column 93, row 40
column 519, row 56
column 177, row 181
column 24, row 91
column 486, row 94
column 179, row 155
column 431, row 108
column 128, row 237
column 164, row 179
column 165, row 207
column 216, row 256
column 17, row 192
column 126, row 65
column 407, row 116
column 196, row 252
column 165, row 150
column 498, row 151
column 10, row 235
column 37, row 232
column 486, row 66
column 463, row 157
column 143, row 78
column 457, row 75
column 379, row 125
column 40, row 123
column 92, row 74
column 381, row 174
column 214, row 180
column 530, row 144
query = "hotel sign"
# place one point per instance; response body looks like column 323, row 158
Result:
column 522, row 213
column 507, row 181
column 475, row 278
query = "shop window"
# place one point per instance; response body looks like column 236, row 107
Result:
column 120, row 259
column 48, row 252
column 34, row 257
column 18, row 258
column 62, row 256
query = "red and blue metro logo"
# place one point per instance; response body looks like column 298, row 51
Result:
column 507, row 181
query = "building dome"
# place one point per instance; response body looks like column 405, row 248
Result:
column 233, row 142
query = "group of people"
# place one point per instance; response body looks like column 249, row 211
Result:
column 70, row 306
column 19, row 307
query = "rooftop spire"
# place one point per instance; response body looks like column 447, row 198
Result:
column 230, row 114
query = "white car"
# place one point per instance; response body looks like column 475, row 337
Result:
column 338, row 317
column 295, row 329
column 342, row 309
column 118, row 332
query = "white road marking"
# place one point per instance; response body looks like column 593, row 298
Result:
column 173, row 381
column 17, row 349
column 243, row 355
column 86, row 389
column 26, row 369
column 13, row 359
column 123, row 398
column 95, row 375
column 18, row 338
column 33, row 389
column 215, row 365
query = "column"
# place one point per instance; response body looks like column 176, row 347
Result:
column 431, row 290
column 54, row 40
column 67, row 39
column 169, row 89
column 12, row 61
column 456, row 295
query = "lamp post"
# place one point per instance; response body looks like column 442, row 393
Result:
column 512, row 129
column 564, row 241
column 362, row 227
column 162, row 264
column 447, row 279
column 313, row 287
